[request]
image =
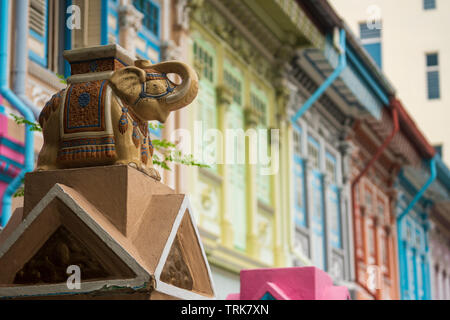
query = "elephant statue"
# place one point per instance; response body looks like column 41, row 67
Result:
column 102, row 118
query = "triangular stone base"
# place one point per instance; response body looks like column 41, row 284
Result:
column 131, row 236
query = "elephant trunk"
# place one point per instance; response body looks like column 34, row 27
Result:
column 184, row 93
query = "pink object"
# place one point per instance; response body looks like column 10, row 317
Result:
column 4, row 150
column 8, row 153
column 299, row 283
column 3, row 125
column 11, row 154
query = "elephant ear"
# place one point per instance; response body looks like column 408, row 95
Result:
column 127, row 83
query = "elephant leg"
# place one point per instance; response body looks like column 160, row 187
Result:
column 47, row 159
column 126, row 151
column 152, row 172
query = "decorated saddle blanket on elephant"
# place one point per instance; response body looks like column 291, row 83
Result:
column 86, row 129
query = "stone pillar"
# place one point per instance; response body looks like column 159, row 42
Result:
column 224, row 99
column 130, row 21
column 308, row 167
column 346, row 149
column 279, row 249
column 343, row 209
column 286, row 188
column 327, row 223
column 282, row 221
column 170, row 51
column 180, row 49
column 252, row 201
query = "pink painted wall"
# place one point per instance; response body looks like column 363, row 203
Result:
column 299, row 283
column 5, row 151
column 8, row 152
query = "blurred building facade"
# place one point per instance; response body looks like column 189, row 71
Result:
column 259, row 62
column 417, row 64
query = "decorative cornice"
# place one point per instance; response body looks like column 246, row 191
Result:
column 130, row 17
column 284, row 97
column 227, row 23
column 302, row 22
column 183, row 10
column 170, row 51
column 224, row 95
column 246, row 23
column 251, row 117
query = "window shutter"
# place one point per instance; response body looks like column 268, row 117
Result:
column 149, row 35
column 433, row 85
column 38, row 25
column 367, row 33
column 371, row 40
column 38, row 16
column 429, row 4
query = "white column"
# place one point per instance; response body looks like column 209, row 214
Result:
column 130, row 21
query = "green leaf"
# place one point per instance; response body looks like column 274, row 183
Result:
column 155, row 126
column 162, row 144
column 19, row 193
column 33, row 126
column 62, row 79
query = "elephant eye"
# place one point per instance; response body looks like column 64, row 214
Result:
column 174, row 79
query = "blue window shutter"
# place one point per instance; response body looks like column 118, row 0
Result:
column 368, row 33
column 299, row 180
column 429, row 4
column 151, row 29
column 300, row 216
column 371, row 40
column 374, row 50
column 433, row 85
column 335, row 216
column 432, row 60
column 38, row 28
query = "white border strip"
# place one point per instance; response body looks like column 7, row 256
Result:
column 171, row 289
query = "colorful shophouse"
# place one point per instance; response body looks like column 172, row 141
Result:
column 332, row 203
column 439, row 235
column 422, row 223
column 322, row 157
column 344, row 218
column 241, row 51
column 389, row 213
column 315, row 153
column 411, row 216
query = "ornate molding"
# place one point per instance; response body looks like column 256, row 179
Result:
column 183, row 9
column 130, row 17
column 284, row 99
column 170, row 51
column 251, row 117
column 224, row 96
column 130, row 22
column 213, row 20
